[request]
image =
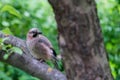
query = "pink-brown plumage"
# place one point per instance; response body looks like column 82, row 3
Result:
column 40, row 47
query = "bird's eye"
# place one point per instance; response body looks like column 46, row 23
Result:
column 32, row 32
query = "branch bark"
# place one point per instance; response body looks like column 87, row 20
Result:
column 28, row 64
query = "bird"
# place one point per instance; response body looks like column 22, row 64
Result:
column 40, row 47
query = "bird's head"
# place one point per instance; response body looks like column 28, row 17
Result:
column 33, row 33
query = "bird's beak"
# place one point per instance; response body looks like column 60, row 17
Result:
column 39, row 32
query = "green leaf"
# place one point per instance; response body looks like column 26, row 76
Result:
column 11, row 10
column 7, row 31
column 109, row 46
column 3, row 39
column 0, row 40
column 5, row 56
column 17, row 50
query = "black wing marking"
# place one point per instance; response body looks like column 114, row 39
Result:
column 54, row 53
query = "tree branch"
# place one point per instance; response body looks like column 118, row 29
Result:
column 28, row 64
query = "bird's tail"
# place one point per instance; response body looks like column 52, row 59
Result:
column 58, row 64
column 55, row 61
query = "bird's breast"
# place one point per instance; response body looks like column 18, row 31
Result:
column 31, row 46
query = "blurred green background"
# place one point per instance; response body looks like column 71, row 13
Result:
column 18, row 16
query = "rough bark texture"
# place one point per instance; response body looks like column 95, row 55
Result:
column 27, row 63
column 80, row 40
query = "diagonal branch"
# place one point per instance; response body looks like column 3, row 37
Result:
column 28, row 64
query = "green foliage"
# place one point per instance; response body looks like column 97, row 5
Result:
column 11, row 10
column 9, row 49
column 109, row 14
column 6, row 31
column 16, row 50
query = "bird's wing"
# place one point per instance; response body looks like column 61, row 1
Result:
column 44, row 40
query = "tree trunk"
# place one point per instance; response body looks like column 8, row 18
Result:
column 80, row 40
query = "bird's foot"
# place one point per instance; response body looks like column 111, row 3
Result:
column 41, row 60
